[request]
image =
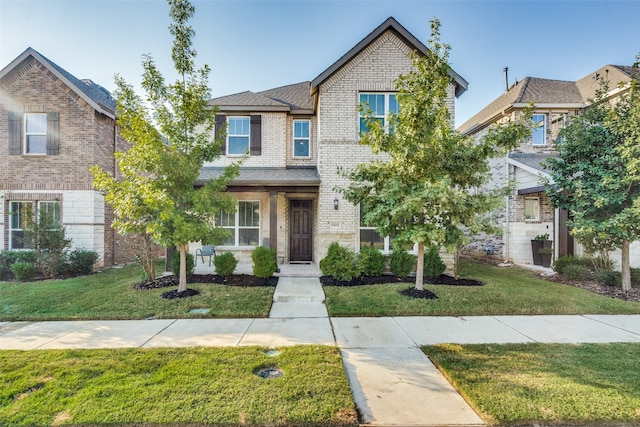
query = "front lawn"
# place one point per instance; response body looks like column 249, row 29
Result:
column 507, row 291
column 176, row 387
column 534, row 384
column 109, row 295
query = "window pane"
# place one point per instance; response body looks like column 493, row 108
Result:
column 36, row 123
column 36, row 144
column 538, row 136
column 301, row 148
column 249, row 236
column 239, row 126
column 393, row 104
column 225, row 219
column 531, row 209
column 18, row 212
column 52, row 209
column 301, row 129
column 238, row 144
column 370, row 237
column 231, row 240
column 249, row 214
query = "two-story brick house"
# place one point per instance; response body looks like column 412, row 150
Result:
column 298, row 136
column 528, row 211
column 53, row 127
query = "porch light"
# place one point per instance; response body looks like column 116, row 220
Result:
column 335, row 203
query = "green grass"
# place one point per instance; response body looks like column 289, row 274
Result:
column 109, row 295
column 511, row 291
column 525, row 384
column 177, row 387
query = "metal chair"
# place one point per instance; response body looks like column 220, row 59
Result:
column 206, row 251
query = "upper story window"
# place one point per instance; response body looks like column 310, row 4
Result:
column 35, row 133
column 539, row 131
column 381, row 106
column 301, row 138
column 238, row 136
column 244, row 224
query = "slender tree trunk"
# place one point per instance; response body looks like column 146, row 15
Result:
column 626, row 267
column 182, row 284
column 420, row 267
column 456, row 261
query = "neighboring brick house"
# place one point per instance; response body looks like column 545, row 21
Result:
column 53, row 128
column 528, row 211
column 298, row 136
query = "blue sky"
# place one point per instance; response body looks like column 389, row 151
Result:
column 259, row 45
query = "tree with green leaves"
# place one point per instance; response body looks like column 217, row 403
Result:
column 170, row 132
column 47, row 237
column 428, row 187
column 596, row 176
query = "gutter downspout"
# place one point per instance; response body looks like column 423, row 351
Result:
column 507, row 233
column 115, row 168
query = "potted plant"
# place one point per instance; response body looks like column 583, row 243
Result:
column 541, row 241
column 545, row 254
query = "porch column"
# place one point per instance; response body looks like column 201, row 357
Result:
column 273, row 220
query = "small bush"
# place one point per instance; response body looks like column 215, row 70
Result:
column 23, row 271
column 603, row 263
column 264, row 262
column 560, row 263
column 225, row 263
column 635, row 276
column 576, row 272
column 175, row 263
column 609, row 278
column 81, row 261
column 371, row 261
column 401, row 263
column 433, row 265
column 340, row 263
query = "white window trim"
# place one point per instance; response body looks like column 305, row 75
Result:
column 538, row 212
column 544, row 130
column 11, row 229
column 385, row 117
column 26, row 135
column 293, row 154
column 248, row 136
column 386, row 247
column 236, row 227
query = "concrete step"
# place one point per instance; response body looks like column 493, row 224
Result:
column 298, row 289
column 295, row 309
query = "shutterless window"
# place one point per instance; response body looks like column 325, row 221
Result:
column 18, row 214
column 244, row 224
column 35, row 133
column 539, row 132
column 238, row 136
column 532, row 209
column 380, row 106
column 370, row 237
column 301, row 138
column 52, row 210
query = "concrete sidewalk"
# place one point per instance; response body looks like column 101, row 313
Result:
column 393, row 382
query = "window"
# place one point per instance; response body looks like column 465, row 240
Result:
column 370, row 237
column 238, row 136
column 539, row 132
column 35, row 133
column 301, row 139
column 380, row 105
column 244, row 224
column 532, row 209
column 52, row 209
column 18, row 214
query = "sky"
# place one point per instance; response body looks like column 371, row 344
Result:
column 264, row 44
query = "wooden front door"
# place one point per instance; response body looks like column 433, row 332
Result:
column 300, row 232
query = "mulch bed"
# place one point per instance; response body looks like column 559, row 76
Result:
column 415, row 293
column 243, row 280
column 390, row 278
column 597, row 288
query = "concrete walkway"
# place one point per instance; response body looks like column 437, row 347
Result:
column 393, row 382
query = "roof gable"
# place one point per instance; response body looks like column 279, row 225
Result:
column 293, row 98
column 95, row 95
column 389, row 25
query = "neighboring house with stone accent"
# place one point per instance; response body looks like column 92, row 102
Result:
column 53, row 127
column 298, row 136
column 528, row 211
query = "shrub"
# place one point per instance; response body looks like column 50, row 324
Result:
column 602, row 262
column 47, row 238
column 560, row 263
column 576, row 272
column 433, row 265
column 635, row 276
column 175, row 263
column 23, row 271
column 609, row 277
column 340, row 263
column 264, row 262
column 401, row 263
column 81, row 261
column 225, row 263
column 8, row 258
column 371, row 261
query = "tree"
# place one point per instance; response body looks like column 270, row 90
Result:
column 47, row 237
column 170, row 141
column 597, row 173
column 428, row 186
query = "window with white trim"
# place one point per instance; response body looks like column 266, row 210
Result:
column 532, row 209
column 302, row 138
column 238, row 136
column 244, row 224
column 35, row 133
column 52, row 208
column 369, row 236
column 380, row 106
column 539, row 130
column 18, row 214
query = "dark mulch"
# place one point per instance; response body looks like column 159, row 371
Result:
column 415, row 293
column 390, row 278
column 597, row 288
column 175, row 294
column 232, row 280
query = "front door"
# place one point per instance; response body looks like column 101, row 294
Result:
column 301, row 224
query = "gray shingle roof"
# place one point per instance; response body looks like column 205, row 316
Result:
column 303, row 176
column 294, row 97
column 533, row 160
